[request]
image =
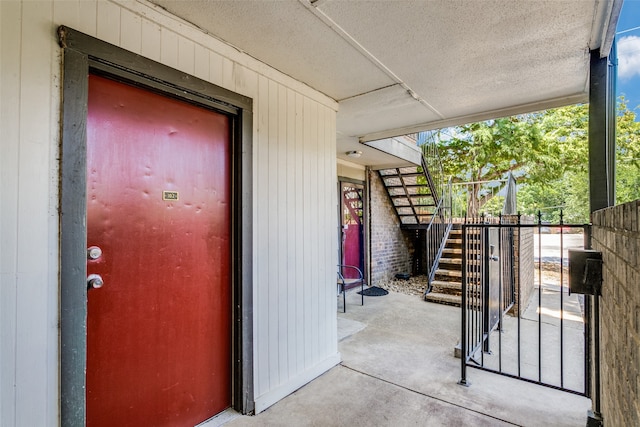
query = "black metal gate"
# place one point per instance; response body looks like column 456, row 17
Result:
column 518, row 317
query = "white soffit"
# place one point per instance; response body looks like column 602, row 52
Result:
column 400, row 66
column 465, row 57
column 287, row 36
column 388, row 108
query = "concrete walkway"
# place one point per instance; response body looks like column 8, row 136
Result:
column 398, row 369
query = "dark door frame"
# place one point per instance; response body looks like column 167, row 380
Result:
column 82, row 55
column 365, row 221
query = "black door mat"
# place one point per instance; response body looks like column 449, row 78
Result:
column 374, row 291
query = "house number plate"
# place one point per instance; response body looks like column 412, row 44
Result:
column 169, row 195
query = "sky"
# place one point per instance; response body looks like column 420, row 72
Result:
column 628, row 37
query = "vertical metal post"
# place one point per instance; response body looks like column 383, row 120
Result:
column 486, row 289
column 594, row 417
column 463, row 338
column 500, row 294
column 588, row 339
column 601, row 177
column 612, row 75
column 587, row 347
column 601, row 164
column 561, row 300
column 518, row 311
column 539, row 296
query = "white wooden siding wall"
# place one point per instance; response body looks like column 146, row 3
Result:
column 294, row 197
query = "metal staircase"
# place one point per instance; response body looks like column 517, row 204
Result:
column 446, row 288
column 422, row 204
column 412, row 194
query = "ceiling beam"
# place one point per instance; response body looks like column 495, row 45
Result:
column 488, row 115
column 313, row 7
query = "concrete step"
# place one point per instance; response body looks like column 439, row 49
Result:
column 444, row 299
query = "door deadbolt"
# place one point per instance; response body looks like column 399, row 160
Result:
column 94, row 252
column 94, row 281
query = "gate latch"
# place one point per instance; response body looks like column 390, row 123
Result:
column 585, row 272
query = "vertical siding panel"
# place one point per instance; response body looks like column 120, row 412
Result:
column 273, row 279
column 201, row 62
column 10, row 21
column 228, row 79
column 307, row 242
column 186, row 61
column 34, row 131
column 33, row 328
column 316, row 237
column 108, row 22
column 66, row 13
column 290, row 214
column 130, row 31
column 169, row 48
column 307, row 239
column 300, row 230
column 149, row 43
column 283, row 236
column 261, row 278
column 215, row 69
column 245, row 80
column 323, row 235
column 88, row 22
column 333, row 248
column 331, row 225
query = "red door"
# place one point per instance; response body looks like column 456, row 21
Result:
column 352, row 209
column 158, row 209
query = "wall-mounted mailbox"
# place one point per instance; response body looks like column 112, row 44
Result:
column 585, row 272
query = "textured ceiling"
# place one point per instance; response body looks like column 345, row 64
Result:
column 399, row 66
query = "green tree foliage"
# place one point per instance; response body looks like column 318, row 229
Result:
column 627, row 155
column 548, row 154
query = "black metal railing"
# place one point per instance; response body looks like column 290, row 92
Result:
column 436, row 234
column 432, row 164
column 514, row 278
column 422, row 201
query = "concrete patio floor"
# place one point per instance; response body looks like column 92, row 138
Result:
column 398, row 369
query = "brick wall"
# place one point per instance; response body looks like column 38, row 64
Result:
column 616, row 233
column 391, row 247
column 524, row 263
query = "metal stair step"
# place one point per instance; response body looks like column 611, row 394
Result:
column 458, row 251
column 450, row 286
column 411, row 186
column 452, row 251
column 448, row 273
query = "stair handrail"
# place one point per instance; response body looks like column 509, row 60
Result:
column 461, row 191
column 437, row 233
column 432, row 165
